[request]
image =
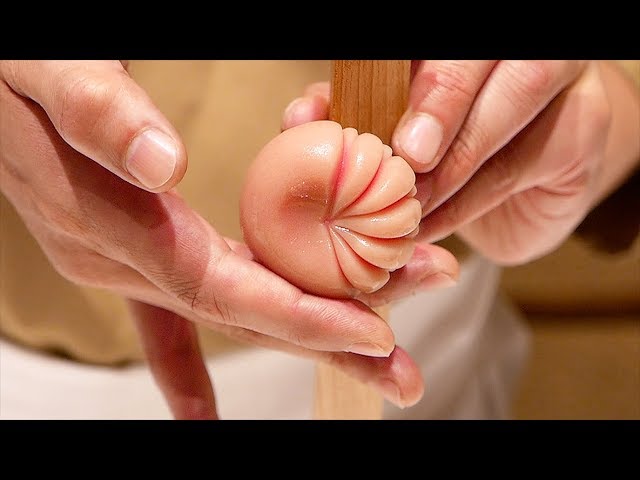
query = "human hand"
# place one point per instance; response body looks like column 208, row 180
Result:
column 90, row 164
column 510, row 155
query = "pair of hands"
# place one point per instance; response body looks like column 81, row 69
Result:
column 510, row 155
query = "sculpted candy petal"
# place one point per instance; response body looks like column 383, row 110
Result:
column 387, row 253
column 362, row 275
column 330, row 210
column 394, row 221
column 361, row 158
column 394, row 180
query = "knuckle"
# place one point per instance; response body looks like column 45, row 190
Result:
column 465, row 152
column 13, row 72
column 68, row 222
column 227, row 286
column 77, row 267
column 187, row 290
column 305, row 332
column 56, row 216
column 448, row 80
column 8, row 70
column 192, row 292
column 530, row 82
column 538, row 76
column 83, row 103
column 223, row 311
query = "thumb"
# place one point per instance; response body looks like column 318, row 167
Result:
column 441, row 95
column 100, row 111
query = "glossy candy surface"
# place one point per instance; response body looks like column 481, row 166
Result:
column 330, row 210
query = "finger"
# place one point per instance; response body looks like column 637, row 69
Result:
column 173, row 355
column 396, row 377
column 249, row 295
column 537, row 183
column 312, row 106
column 161, row 237
column 182, row 254
column 442, row 92
column 431, row 266
column 170, row 344
column 100, row 111
column 513, row 95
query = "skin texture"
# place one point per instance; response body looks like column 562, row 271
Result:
column 509, row 155
column 330, row 210
column 78, row 165
column 66, row 128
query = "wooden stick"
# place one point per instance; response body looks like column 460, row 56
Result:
column 370, row 96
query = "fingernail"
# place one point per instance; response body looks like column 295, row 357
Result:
column 391, row 392
column 368, row 349
column 152, row 158
column 420, row 138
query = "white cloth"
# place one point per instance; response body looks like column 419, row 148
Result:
column 470, row 344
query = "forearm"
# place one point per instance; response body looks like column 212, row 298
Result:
column 622, row 151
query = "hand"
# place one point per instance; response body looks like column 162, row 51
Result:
column 90, row 164
column 510, row 155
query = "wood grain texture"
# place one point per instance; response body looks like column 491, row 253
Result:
column 370, row 96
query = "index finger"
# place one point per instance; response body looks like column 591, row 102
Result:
column 513, row 95
column 179, row 251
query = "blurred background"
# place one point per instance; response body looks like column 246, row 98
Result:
column 584, row 311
